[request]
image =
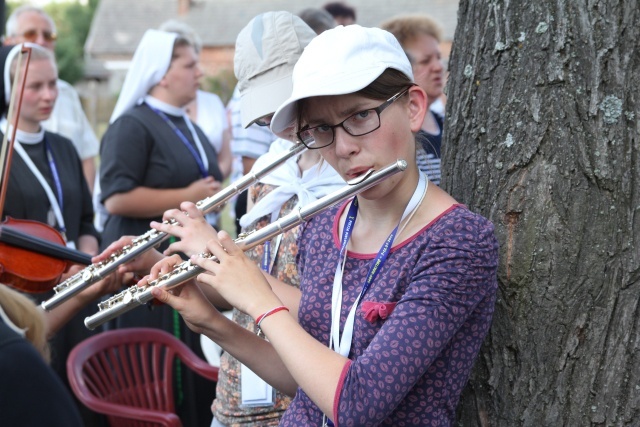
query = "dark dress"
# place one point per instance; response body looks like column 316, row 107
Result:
column 31, row 394
column 26, row 199
column 140, row 150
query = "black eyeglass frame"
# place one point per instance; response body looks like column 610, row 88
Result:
column 262, row 121
column 312, row 144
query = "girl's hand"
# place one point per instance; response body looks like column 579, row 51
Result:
column 139, row 265
column 192, row 230
column 235, row 277
column 113, row 283
column 163, row 266
column 193, row 306
column 71, row 271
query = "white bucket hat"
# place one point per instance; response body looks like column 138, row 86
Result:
column 340, row 61
column 267, row 48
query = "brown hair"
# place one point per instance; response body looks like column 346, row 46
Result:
column 340, row 9
column 407, row 28
column 181, row 41
column 390, row 82
column 26, row 315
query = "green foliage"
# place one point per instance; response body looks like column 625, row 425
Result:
column 221, row 84
column 73, row 21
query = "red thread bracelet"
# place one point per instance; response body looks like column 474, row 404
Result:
column 260, row 318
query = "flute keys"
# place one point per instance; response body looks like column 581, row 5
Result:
column 128, row 297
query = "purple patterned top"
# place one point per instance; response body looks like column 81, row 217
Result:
column 418, row 329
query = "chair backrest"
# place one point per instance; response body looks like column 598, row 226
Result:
column 127, row 374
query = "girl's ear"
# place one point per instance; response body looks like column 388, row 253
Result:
column 417, row 107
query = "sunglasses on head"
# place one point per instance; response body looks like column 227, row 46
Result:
column 32, row 35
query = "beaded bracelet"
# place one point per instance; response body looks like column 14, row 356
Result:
column 260, row 318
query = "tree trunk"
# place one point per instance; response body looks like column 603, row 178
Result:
column 542, row 137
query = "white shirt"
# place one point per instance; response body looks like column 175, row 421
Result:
column 212, row 117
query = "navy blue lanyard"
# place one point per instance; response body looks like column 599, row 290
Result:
column 341, row 343
column 184, row 140
column 380, row 258
column 374, row 268
column 376, row 264
column 266, row 257
column 56, row 178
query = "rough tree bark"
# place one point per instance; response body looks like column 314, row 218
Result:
column 542, row 137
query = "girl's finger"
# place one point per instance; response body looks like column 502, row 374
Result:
column 169, row 214
column 227, row 245
column 191, row 210
column 163, row 296
column 209, row 264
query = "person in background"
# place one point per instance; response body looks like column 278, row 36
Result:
column 341, row 12
column 247, row 144
column 397, row 285
column 419, row 35
column 318, row 19
column 25, row 354
column 31, row 24
column 207, row 110
column 153, row 157
column 251, row 142
column 46, row 184
column 31, row 394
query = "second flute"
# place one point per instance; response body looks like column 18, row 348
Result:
column 136, row 296
column 152, row 238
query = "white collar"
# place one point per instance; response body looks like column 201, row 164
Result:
column 30, row 138
column 164, row 107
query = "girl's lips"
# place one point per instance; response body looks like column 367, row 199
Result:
column 356, row 172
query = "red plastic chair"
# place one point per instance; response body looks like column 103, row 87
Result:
column 127, row 374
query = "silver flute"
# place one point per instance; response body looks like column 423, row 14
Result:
column 136, row 296
column 141, row 244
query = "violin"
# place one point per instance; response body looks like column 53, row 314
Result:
column 33, row 255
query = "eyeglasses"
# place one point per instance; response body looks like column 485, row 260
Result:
column 263, row 121
column 32, row 35
column 358, row 124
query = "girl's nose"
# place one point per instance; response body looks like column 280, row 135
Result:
column 345, row 144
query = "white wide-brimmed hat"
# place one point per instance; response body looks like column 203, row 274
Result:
column 267, row 49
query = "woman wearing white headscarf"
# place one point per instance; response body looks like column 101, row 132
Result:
column 153, row 158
